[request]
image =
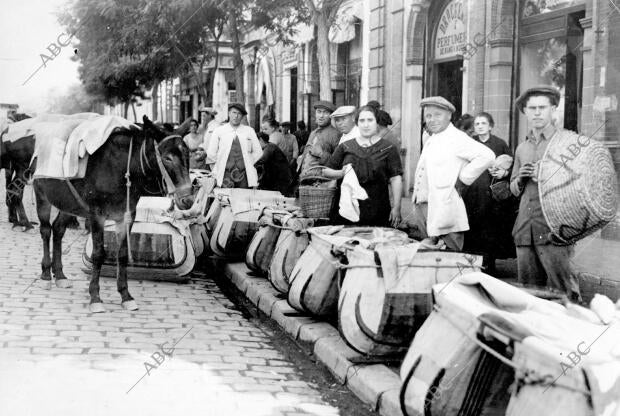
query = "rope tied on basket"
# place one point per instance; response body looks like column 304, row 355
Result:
column 523, row 375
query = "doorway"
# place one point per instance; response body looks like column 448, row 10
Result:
column 293, row 103
column 449, row 84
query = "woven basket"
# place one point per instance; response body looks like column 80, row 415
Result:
column 316, row 201
column 577, row 186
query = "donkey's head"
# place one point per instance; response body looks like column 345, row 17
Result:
column 172, row 156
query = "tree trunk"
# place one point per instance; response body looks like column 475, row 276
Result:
column 133, row 109
column 126, row 109
column 155, row 100
column 322, row 26
column 237, row 61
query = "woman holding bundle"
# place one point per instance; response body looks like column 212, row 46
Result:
column 491, row 215
column 376, row 164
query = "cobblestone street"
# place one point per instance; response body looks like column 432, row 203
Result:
column 57, row 358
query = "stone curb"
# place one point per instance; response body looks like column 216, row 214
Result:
column 375, row 385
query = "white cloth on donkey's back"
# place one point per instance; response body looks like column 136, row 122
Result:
column 87, row 138
column 26, row 127
column 62, row 147
column 49, row 149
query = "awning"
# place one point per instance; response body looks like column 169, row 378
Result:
column 220, row 95
column 263, row 77
column 343, row 28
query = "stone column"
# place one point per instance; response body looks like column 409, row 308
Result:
column 415, row 22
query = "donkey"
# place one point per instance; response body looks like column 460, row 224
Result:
column 131, row 161
column 15, row 160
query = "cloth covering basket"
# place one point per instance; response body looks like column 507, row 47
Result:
column 577, row 186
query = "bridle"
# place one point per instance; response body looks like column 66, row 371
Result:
column 171, row 188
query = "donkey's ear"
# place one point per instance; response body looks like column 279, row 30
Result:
column 152, row 130
column 183, row 129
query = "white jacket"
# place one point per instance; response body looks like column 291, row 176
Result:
column 219, row 149
column 447, row 156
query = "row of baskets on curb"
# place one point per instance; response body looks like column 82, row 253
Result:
column 464, row 350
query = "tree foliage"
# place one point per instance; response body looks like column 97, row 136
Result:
column 323, row 15
column 127, row 46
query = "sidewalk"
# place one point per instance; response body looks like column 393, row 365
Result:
column 377, row 385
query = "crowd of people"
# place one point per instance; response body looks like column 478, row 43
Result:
column 469, row 193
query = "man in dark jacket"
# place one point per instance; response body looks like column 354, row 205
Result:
column 273, row 169
column 540, row 261
column 322, row 141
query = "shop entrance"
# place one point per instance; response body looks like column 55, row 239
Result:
column 449, row 84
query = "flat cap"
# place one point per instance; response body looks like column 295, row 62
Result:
column 237, row 106
column 325, row 105
column 438, row 102
column 546, row 90
column 342, row 111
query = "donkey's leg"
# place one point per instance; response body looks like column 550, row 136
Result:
column 44, row 210
column 10, row 196
column 59, row 226
column 98, row 257
column 18, row 200
column 121, row 263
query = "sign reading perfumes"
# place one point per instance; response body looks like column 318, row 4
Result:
column 450, row 38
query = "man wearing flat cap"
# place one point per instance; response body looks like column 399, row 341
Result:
column 449, row 163
column 344, row 120
column 322, row 141
column 233, row 150
column 539, row 260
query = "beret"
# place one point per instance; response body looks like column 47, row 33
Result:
column 438, row 102
column 546, row 90
column 344, row 110
column 239, row 107
column 326, row 105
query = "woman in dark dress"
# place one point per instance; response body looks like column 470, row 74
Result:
column 490, row 221
column 376, row 163
column 272, row 167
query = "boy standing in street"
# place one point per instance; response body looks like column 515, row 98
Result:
column 539, row 260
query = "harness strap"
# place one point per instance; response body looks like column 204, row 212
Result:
column 171, row 189
column 127, row 218
column 77, row 196
column 143, row 158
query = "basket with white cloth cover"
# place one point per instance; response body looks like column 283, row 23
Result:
column 233, row 217
column 292, row 242
column 313, row 282
column 490, row 346
column 385, row 294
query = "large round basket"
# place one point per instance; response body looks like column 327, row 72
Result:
column 577, row 186
column 316, row 200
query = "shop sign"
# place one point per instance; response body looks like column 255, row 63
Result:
column 451, row 32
